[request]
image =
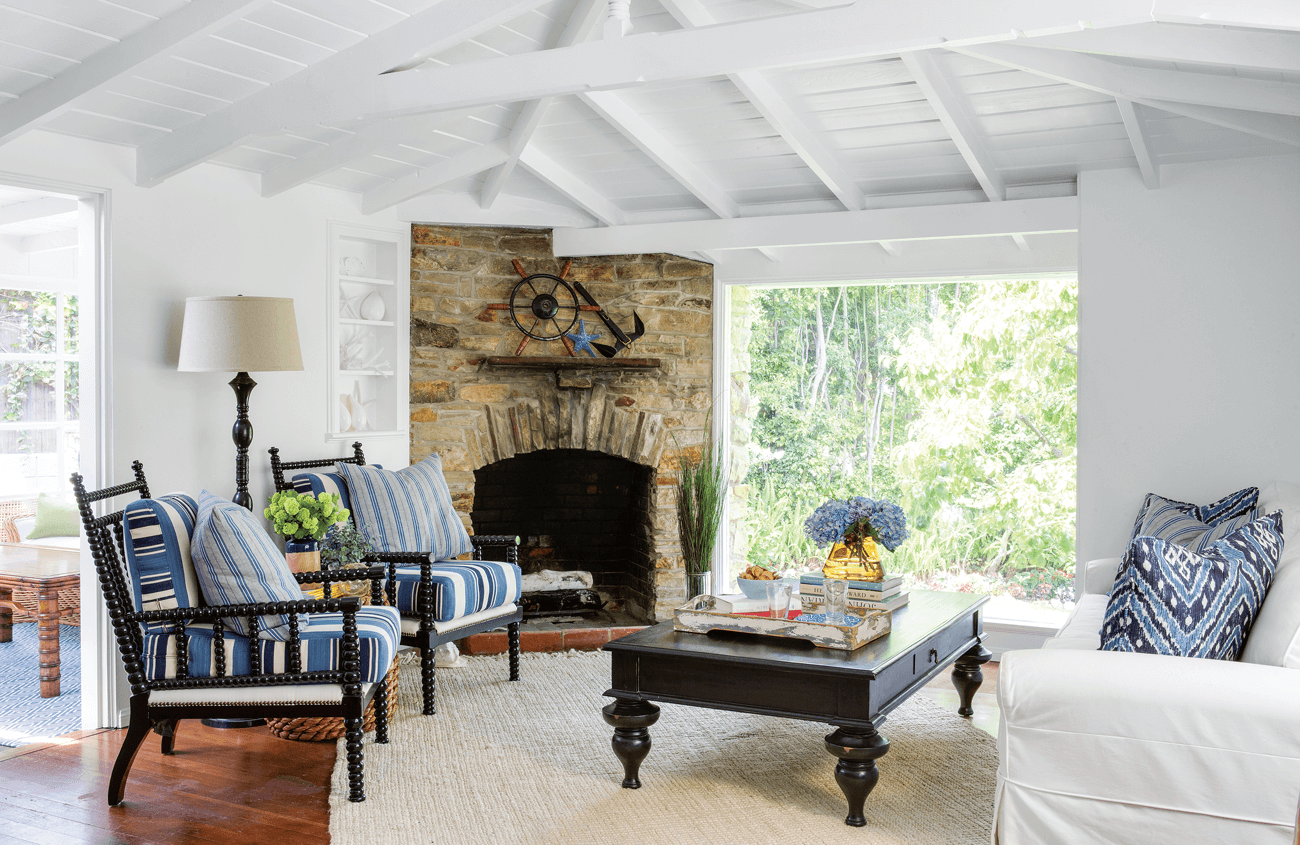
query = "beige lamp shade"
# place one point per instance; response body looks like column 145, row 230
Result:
column 239, row 334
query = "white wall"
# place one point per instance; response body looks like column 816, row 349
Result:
column 205, row 232
column 1189, row 354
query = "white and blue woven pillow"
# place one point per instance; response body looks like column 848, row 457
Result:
column 460, row 587
column 320, row 648
column 1195, row 526
column 1173, row 600
column 408, row 510
column 160, row 570
column 324, row 482
column 237, row 562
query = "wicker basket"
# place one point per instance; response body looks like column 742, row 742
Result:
column 323, row 728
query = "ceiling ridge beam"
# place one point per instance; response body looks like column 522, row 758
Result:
column 55, row 96
column 1197, row 44
column 426, row 179
column 949, row 104
column 35, row 209
column 346, row 81
column 1151, row 88
column 963, row 220
column 356, row 88
column 1135, row 126
column 567, row 184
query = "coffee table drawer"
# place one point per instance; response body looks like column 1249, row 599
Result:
column 939, row 650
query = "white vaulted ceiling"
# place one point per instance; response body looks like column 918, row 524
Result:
column 695, row 110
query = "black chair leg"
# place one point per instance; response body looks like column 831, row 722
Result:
column 428, row 683
column 381, row 710
column 512, row 635
column 356, row 776
column 168, row 728
column 136, row 733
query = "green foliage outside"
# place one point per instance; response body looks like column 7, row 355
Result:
column 957, row 401
column 29, row 325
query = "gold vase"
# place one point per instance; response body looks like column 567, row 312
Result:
column 844, row 563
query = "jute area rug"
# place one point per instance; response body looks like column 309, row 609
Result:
column 530, row 762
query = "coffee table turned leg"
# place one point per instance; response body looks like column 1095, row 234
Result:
column 47, row 630
column 6, row 616
column 858, row 749
column 631, row 719
column 967, row 677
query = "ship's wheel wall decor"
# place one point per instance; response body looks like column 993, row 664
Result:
column 545, row 307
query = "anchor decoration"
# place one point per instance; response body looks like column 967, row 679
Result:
column 544, row 306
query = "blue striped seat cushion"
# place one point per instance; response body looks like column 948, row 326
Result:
column 407, row 511
column 237, row 562
column 460, row 587
column 1195, row 526
column 160, row 570
column 324, row 482
column 378, row 630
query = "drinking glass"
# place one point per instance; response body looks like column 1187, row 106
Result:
column 837, row 594
column 778, row 599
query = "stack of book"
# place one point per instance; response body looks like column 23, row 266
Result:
column 886, row 596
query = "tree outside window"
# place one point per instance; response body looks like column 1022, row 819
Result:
column 39, row 390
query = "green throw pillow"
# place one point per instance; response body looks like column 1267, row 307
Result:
column 55, row 518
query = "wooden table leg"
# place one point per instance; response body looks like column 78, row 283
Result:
column 631, row 719
column 6, row 615
column 967, row 677
column 856, row 772
column 47, row 616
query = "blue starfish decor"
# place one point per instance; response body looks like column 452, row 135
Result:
column 582, row 340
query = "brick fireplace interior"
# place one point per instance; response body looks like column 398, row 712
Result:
column 575, row 510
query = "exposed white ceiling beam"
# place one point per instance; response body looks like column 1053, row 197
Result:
column 1021, row 243
column 53, row 97
column 784, row 117
column 22, row 212
column 367, row 138
column 582, row 22
column 890, row 248
column 428, row 178
column 508, row 210
column 1137, row 136
column 982, row 219
column 1215, row 99
column 341, row 84
column 1263, row 14
column 49, row 241
column 1176, row 43
column 569, row 185
column 949, row 104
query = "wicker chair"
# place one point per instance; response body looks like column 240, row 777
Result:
column 420, row 629
column 11, row 509
column 160, row 703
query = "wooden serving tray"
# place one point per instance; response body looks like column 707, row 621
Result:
column 708, row 613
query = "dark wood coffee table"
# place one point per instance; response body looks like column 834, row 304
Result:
column 852, row 691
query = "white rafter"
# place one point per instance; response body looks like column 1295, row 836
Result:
column 784, row 117
column 563, row 181
column 1176, row 43
column 949, row 105
column 1221, row 100
column 586, row 15
column 49, row 241
column 53, row 97
column 27, row 210
column 345, row 84
column 965, row 220
column 1265, row 14
column 426, row 179
column 1137, row 135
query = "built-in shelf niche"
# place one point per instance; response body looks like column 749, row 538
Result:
column 367, row 344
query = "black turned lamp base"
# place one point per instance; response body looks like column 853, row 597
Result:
column 226, row 724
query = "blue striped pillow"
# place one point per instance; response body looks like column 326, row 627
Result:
column 1195, row 526
column 323, row 482
column 238, row 563
column 159, row 567
column 407, row 511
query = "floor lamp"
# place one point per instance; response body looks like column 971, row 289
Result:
column 239, row 334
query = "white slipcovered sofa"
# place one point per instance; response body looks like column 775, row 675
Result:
column 1110, row 747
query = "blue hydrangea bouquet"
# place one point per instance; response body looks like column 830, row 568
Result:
column 857, row 524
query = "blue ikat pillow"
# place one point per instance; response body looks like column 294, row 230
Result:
column 1173, row 600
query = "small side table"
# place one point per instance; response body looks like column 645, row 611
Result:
column 48, row 571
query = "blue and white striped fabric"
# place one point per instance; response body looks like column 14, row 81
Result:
column 159, row 568
column 407, row 511
column 320, row 648
column 1196, row 527
column 238, row 563
column 460, row 587
column 324, row 482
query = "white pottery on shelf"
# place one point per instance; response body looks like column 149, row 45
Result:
column 352, row 266
column 356, row 409
column 345, row 415
column 372, row 307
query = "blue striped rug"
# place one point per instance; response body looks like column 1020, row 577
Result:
column 25, row 717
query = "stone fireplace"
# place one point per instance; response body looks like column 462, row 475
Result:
column 577, row 455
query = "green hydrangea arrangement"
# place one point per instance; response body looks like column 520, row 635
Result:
column 303, row 516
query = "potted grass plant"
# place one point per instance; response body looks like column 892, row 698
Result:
column 701, row 489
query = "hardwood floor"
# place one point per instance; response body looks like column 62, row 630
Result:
column 240, row 787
